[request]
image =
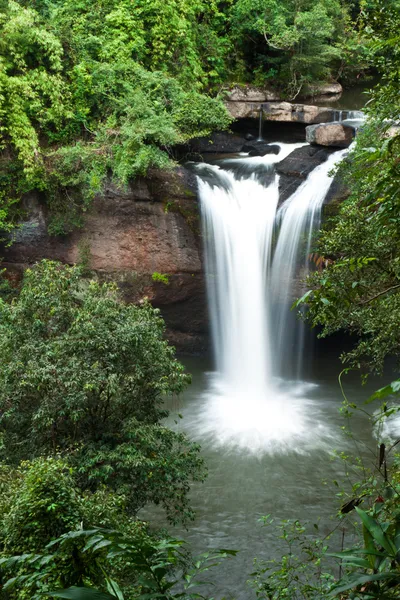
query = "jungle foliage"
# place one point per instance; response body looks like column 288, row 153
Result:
column 84, row 375
column 357, row 289
column 89, row 91
column 82, row 444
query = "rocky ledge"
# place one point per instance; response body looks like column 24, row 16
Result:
column 283, row 112
column 129, row 235
column 245, row 102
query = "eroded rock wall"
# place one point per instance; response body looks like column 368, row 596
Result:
column 130, row 234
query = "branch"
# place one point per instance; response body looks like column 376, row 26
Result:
column 394, row 287
column 297, row 93
column 269, row 43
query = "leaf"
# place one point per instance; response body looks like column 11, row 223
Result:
column 352, row 560
column 377, row 532
column 357, row 579
column 388, row 390
column 79, row 593
column 302, row 299
column 114, row 589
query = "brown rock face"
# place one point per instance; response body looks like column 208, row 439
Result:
column 330, row 134
column 281, row 112
column 129, row 235
column 250, row 93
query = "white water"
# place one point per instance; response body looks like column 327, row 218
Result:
column 248, row 404
column 299, row 218
column 354, row 118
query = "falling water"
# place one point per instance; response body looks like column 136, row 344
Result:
column 299, row 219
column 260, row 125
column 247, row 405
column 238, row 220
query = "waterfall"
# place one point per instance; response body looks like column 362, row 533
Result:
column 260, row 125
column 238, row 214
column 299, row 218
column 250, row 291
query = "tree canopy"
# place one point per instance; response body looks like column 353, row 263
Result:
column 85, row 375
column 92, row 91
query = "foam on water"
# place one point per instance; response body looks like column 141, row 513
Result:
column 279, row 420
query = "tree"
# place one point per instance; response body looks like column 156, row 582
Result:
column 87, row 93
column 85, row 375
column 292, row 43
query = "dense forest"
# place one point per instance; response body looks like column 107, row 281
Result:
column 109, row 89
column 89, row 90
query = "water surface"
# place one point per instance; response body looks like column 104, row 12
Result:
column 285, row 481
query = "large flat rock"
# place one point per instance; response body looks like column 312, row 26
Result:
column 283, row 112
column 330, row 134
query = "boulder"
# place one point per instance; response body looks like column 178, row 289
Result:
column 251, row 93
column 321, row 89
column 220, row 143
column 261, row 148
column 296, row 167
column 337, row 135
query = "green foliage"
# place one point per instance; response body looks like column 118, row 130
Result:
column 87, row 92
column 298, row 572
column 158, row 567
column 31, row 85
column 293, row 43
column 160, row 277
column 90, row 92
column 358, row 288
column 85, row 375
column 45, row 504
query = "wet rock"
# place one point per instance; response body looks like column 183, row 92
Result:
column 219, row 143
column 296, row 167
column 259, row 148
column 330, row 134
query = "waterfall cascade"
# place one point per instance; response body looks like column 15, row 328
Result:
column 250, row 290
column 298, row 220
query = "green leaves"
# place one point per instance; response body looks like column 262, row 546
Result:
column 81, row 593
column 375, row 529
column 388, row 390
column 159, row 568
column 85, row 375
column 90, row 93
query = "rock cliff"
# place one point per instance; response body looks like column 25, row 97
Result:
column 130, row 234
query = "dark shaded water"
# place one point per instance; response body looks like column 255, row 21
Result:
column 354, row 98
column 243, row 485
